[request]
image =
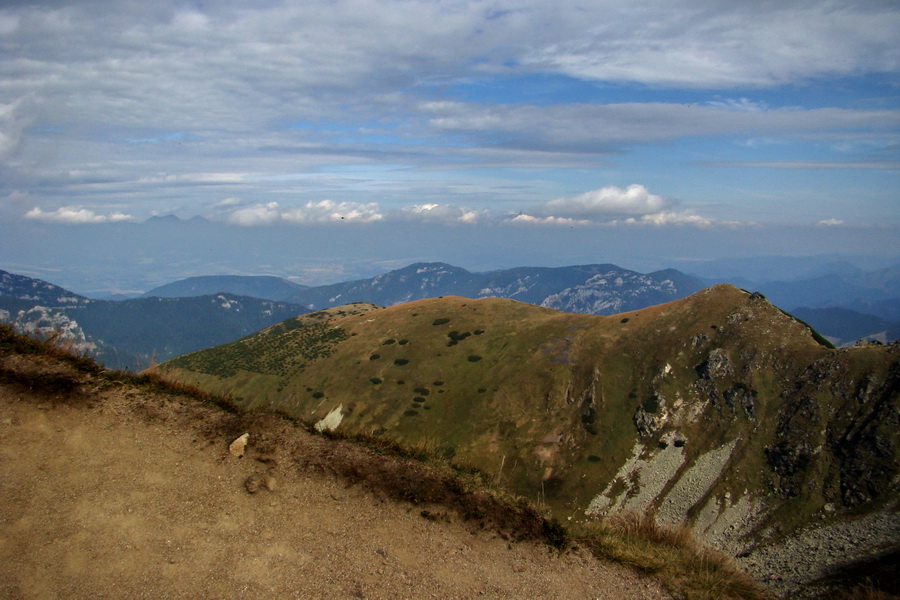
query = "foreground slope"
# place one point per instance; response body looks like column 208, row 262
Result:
column 116, row 490
column 718, row 410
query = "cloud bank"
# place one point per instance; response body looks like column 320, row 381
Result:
column 75, row 216
column 609, row 201
column 324, row 211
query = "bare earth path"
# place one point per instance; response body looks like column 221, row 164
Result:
column 112, row 492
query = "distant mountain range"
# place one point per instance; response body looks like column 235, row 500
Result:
column 259, row 286
column 173, row 319
column 132, row 334
column 589, row 289
column 870, row 300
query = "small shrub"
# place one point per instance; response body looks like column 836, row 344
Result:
column 422, row 391
column 388, row 342
column 556, row 534
column 478, row 331
column 594, row 458
column 318, row 395
column 403, row 342
column 418, row 399
column 401, row 361
column 474, row 358
column 482, row 390
column 375, row 357
column 438, row 383
column 440, row 321
column 410, row 413
column 625, row 320
column 375, row 380
column 651, row 404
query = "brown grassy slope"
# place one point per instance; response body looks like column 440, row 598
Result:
column 579, row 412
column 123, row 486
column 525, row 393
column 120, row 487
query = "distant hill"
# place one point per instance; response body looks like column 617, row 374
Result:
column 132, row 334
column 847, row 326
column 262, row 286
column 588, row 289
column 718, row 409
column 38, row 291
column 875, row 292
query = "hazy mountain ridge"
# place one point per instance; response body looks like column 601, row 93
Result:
column 38, row 291
column 257, row 286
column 876, row 292
column 133, row 333
column 718, row 409
column 847, row 326
column 563, row 287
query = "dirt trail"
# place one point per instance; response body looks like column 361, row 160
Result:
column 121, row 493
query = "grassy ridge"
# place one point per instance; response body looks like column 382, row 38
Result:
column 418, row 475
column 553, row 406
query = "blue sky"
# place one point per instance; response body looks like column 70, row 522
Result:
column 662, row 128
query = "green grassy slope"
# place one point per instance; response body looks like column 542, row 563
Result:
column 562, row 407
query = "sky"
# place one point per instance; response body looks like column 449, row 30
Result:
column 325, row 140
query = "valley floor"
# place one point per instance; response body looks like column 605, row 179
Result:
column 114, row 492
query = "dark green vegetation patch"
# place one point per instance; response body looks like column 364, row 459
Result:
column 284, row 351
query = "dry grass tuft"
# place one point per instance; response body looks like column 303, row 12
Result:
column 673, row 555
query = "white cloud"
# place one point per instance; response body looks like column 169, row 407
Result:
column 326, row 211
column 253, row 216
column 725, row 44
column 813, row 165
column 608, row 201
column 669, row 219
column 606, row 128
column 232, row 201
column 443, row 213
column 75, row 215
column 830, row 222
column 741, row 104
column 532, row 220
column 323, row 211
column 12, row 123
column 238, row 97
